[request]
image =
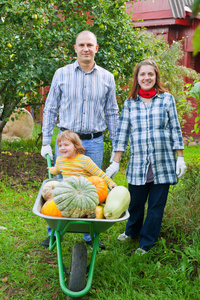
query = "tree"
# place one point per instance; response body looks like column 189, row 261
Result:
column 37, row 37
column 195, row 90
column 196, row 37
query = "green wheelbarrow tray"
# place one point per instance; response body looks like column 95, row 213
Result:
column 61, row 225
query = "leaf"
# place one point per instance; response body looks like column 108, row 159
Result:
column 196, row 41
column 3, row 228
column 195, row 90
column 196, row 128
column 5, row 279
column 197, row 119
column 196, row 7
column 55, row 295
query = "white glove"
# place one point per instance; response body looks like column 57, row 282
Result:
column 112, row 156
column 113, row 169
column 47, row 150
column 180, row 166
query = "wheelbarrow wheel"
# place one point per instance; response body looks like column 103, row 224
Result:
column 78, row 269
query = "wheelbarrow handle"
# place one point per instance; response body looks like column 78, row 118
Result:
column 49, row 165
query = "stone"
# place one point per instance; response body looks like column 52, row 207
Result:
column 21, row 127
column 194, row 143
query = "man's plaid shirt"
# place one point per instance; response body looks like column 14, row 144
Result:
column 154, row 133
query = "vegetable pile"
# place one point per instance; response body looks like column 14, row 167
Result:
column 81, row 197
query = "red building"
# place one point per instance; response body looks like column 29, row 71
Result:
column 171, row 19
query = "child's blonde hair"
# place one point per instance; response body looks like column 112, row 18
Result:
column 72, row 137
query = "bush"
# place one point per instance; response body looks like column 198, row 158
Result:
column 183, row 206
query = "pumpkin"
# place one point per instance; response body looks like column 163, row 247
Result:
column 47, row 189
column 117, row 202
column 50, row 209
column 99, row 212
column 76, row 197
column 101, row 186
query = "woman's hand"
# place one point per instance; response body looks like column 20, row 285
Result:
column 180, row 166
column 113, row 169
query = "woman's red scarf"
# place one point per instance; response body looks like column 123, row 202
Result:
column 147, row 94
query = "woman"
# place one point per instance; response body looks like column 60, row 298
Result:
column 149, row 121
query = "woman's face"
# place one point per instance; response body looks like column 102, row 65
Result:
column 146, row 77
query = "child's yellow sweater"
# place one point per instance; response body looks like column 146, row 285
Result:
column 81, row 165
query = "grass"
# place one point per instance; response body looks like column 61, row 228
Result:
column 169, row 271
column 33, row 144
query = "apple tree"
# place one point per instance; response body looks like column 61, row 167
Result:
column 196, row 37
column 37, row 37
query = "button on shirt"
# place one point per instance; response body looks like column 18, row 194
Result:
column 86, row 101
column 154, row 133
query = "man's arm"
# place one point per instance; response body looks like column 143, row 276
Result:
column 50, row 116
column 112, row 110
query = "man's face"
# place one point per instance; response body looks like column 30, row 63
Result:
column 86, row 47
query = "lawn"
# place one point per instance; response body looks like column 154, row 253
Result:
column 169, row 271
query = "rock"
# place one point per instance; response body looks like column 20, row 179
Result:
column 194, row 143
column 22, row 127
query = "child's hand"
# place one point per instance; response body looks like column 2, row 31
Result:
column 113, row 186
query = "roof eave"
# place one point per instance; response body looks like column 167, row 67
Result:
column 162, row 22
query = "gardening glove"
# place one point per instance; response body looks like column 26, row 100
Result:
column 47, row 150
column 180, row 166
column 112, row 156
column 113, row 169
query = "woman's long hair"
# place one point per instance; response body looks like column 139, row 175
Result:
column 135, row 87
column 72, row 137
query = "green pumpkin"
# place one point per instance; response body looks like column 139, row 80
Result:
column 76, row 197
column 117, row 202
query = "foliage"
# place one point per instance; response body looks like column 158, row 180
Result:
column 196, row 37
column 169, row 271
column 37, row 37
column 186, row 192
column 194, row 91
column 173, row 74
column 196, row 47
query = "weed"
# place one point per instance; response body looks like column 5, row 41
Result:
column 170, row 270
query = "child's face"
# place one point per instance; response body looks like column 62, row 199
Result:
column 67, row 149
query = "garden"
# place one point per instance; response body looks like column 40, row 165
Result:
column 29, row 271
column 35, row 42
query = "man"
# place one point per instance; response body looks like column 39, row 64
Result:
column 84, row 95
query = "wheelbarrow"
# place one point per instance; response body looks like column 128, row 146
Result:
column 77, row 285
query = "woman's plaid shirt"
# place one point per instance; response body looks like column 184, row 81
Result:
column 154, row 133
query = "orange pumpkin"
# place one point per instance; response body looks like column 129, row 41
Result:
column 50, row 209
column 101, row 186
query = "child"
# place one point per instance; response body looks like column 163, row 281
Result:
column 73, row 161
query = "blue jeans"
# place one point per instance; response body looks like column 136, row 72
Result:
column 148, row 231
column 93, row 149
